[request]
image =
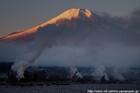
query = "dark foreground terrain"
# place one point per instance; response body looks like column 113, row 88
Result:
column 56, row 80
column 72, row 88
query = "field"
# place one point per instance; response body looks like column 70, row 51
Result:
column 57, row 82
column 72, row 88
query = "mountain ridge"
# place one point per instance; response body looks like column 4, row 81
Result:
column 71, row 18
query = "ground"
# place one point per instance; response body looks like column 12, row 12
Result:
column 72, row 88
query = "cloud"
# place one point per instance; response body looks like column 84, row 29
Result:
column 130, row 22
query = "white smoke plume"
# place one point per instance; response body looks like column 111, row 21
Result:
column 106, row 77
column 46, row 37
column 91, row 42
column 74, row 71
column 22, row 62
column 118, row 75
column 99, row 72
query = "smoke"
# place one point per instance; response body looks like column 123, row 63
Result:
column 99, row 72
column 46, row 37
column 96, row 48
column 120, row 55
column 130, row 22
column 22, row 62
column 74, row 71
column 118, row 75
column 69, row 46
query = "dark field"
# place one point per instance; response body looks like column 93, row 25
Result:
column 55, row 80
column 73, row 88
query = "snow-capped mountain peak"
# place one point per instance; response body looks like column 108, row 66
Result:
column 73, row 13
column 76, row 13
column 74, row 17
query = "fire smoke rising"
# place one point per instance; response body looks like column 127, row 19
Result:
column 74, row 71
column 99, row 72
column 22, row 62
column 46, row 37
column 96, row 47
column 109, row 47
column 118, row 75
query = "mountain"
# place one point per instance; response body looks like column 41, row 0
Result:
column 72, row 18
column 77, row 37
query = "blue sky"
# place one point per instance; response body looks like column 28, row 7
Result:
column 18, row 15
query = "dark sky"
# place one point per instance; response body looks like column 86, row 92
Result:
column 18, row 15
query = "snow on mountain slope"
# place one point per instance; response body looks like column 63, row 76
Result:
column 71, row 18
